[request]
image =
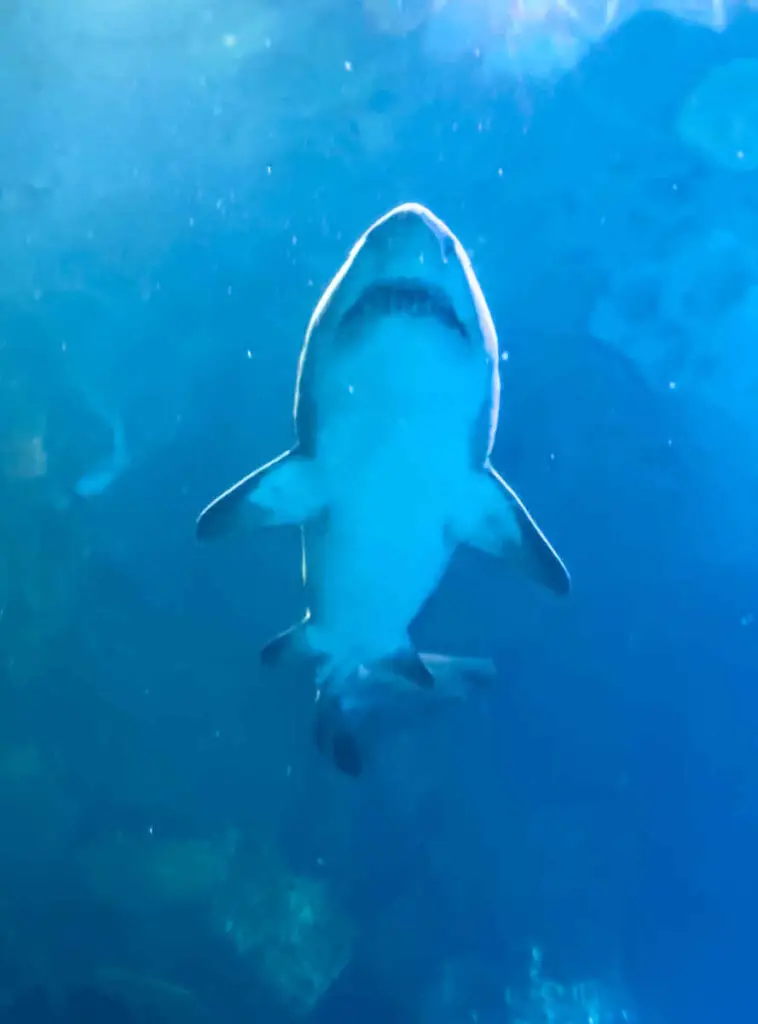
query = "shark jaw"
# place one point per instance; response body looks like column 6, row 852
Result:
column 413, row 297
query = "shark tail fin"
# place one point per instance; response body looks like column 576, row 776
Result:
column 335, row 737
column 284, row 492
column 347, row 716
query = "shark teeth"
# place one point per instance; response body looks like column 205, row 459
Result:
column 405, row 295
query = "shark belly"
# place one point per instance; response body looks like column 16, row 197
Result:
column 372, row 566
column 394, row 459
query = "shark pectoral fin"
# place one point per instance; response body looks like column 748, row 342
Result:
column 284, row 492
column 497, row 523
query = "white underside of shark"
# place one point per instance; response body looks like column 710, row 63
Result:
column 396, row 409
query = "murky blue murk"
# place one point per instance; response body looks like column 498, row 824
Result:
column 568, row 837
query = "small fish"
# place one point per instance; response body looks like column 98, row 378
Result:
column 396, row 408
column 97, row 480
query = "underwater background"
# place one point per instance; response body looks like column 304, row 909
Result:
column 178, row 183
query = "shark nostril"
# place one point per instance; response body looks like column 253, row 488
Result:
column 448, row 248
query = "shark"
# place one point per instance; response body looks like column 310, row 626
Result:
column 396, row 408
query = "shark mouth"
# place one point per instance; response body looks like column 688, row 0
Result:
column 405, row 295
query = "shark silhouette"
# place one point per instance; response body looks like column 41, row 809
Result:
column 396, row 409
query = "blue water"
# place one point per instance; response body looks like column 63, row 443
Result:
column 178, row 183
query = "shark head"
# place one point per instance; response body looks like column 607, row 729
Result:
column 409, row 260
column 408, row 263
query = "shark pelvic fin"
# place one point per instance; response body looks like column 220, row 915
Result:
column 351, row 719
column 457, row 678
column 496, row 521
column 290, row 647
column 284, row 492
column 406, row 664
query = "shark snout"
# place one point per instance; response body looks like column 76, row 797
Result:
column 410, row 242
